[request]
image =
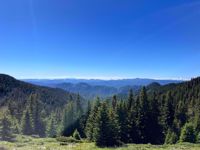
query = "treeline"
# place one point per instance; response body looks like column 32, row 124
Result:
column 168, row 115
column 36, row 121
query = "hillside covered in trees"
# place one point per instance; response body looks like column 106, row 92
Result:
column 157, row 115
column 27, row 108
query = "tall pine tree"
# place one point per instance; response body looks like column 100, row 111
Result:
column 5, row 129
column 167, row 113
column 143, row 118
column 27, row 124
column 106, row 129
column 91, row 121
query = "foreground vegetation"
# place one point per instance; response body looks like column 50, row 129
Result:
column 29, row 143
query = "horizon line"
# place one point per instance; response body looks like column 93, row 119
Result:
column 99, row 78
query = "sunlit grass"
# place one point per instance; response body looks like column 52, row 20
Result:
column 29, row 143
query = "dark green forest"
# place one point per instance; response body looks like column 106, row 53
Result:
column 157, row 114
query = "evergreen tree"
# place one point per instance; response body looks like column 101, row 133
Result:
column 79, row 109
column 89, row 109
column 51, row 129
column 132, row 128
column 35, row 112
column 69, row 116
column 188, row 133
column 155, row 128
column 114, row 102
column 114, row 129
column 180, row 115
column 15, row 125
column 91, row 121
column 167, row 113
column 83, row 120
column 197, row 118
column 143, row 117
column 105, row 131
column 123, row 120
column 38, row 124
column 130, row 99
column 5, row 129
column 27, row 125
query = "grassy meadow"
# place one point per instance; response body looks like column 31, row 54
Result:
column 29, row 143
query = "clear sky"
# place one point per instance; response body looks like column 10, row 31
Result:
column 100, row 38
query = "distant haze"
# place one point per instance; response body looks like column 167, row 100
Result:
column 113, row 83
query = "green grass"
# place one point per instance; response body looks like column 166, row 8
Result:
column 29, row 143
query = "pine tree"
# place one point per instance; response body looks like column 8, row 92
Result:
column 188, row 133
column 89, row 108
column 143, row 117
column 123, row 120
column 31, row 106
column 167, row 113
column 35, row 115
column 180, row 117
column 79, row 109
column 91, row 121
column 27, row 125
column 105, row 131
column 197, row 118
column 5, row 129
column 70, row 120
column 131, row 126
column 38, row 125
column 114, row 102
column 114, row 129
column 15, row 125
column 83, row 120
column 51, row 129
column 130, row 100
column 155, row 128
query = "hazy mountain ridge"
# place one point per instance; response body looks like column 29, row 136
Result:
column 102, row 88
column 99, row 82
column 90, row 92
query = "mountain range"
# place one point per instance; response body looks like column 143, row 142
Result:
column 98, row 82
column 90, row 89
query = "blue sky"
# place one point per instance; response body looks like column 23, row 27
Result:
column 100, row 38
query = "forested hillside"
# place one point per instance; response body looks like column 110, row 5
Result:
column 28, row 107
column 156, row 114
column 159, row 114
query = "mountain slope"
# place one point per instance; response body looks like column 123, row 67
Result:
column 18, row 92
column 88, row 91
column 91, row 91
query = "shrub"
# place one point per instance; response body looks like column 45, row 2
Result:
column 198, row 138
column 171, row 137
column 76, row 135
column 67, row 139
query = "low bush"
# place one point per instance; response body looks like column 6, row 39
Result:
column 67, row 140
